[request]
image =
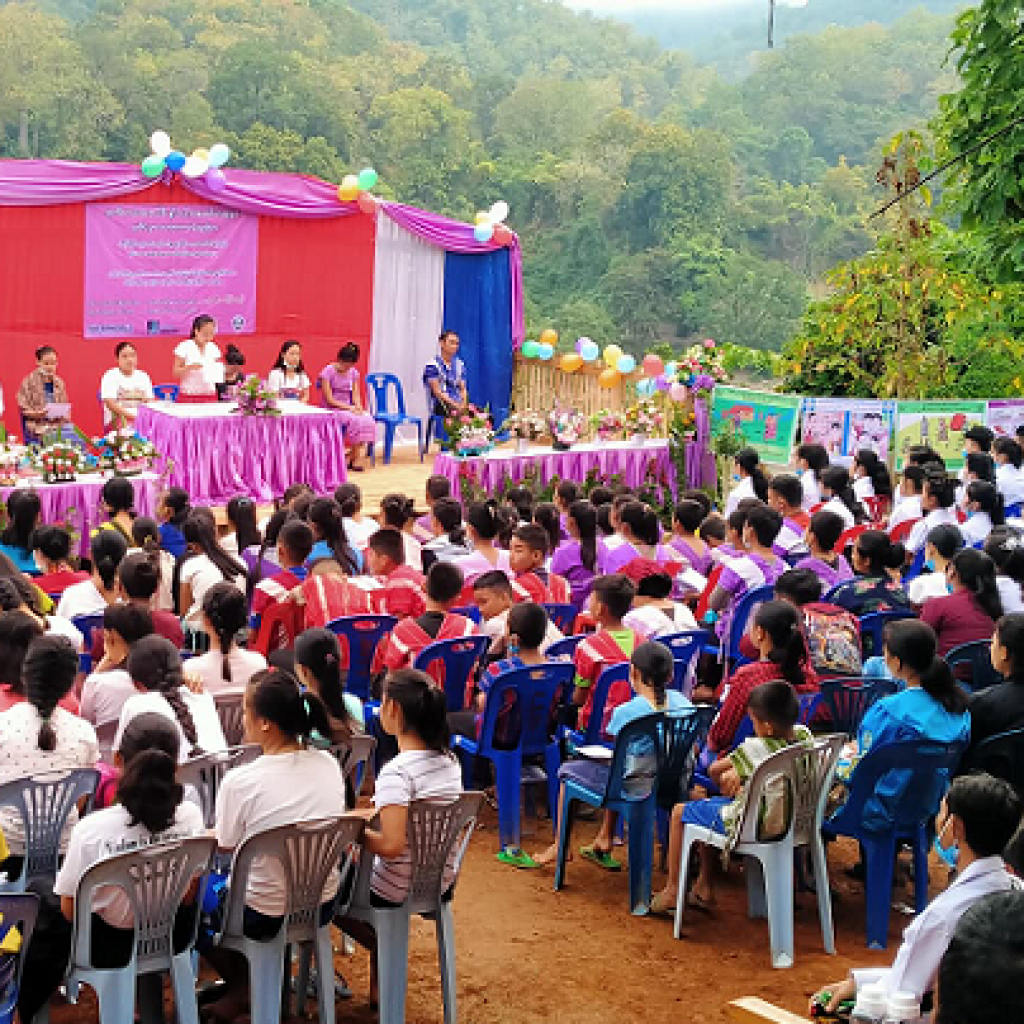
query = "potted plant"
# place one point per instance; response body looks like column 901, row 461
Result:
column 642, row 420
column 256, row 399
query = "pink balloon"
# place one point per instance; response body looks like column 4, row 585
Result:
column 216, row 180
column 653, row 365
column 367, row 202
column 502, row 234
column 677, row 392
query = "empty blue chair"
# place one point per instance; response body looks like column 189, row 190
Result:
column 562, row 615
column 594, row 730
column 85, row 625
column 685, row 648
column 166, row 392
column 977, row 656
column 378, row 384
column 923, row 766
column 848, row 700
column 741, row 614
column 564, row 648
column 451, row 663
column 16, row 911
column 537, row 691
column 682, row 736
column 359, row 636
column 872, row 630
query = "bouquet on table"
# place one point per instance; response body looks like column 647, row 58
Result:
column 607, row 426
column 644, row 419
column 469, row 431
column 12, row 455
column 566, row 426
column 254, row 398
column 527, row 425
column 701, row 368
column 125, row 453
column 59, row 462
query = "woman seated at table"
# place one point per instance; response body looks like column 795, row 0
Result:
column 39, row 392
column 124, row 387
column 288, row 377
column 339, row 383
column 196, row 360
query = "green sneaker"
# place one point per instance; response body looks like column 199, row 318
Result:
column 517, row 858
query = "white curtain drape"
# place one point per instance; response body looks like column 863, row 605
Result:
column 408, row 306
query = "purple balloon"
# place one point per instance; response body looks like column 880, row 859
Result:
column 663, row 383
column 581, row 344
column 216, row 180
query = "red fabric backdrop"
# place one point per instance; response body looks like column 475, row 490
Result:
column 315, row 284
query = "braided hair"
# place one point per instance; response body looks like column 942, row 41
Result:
column 226, row 611
column 48, row 673
column 155, row 664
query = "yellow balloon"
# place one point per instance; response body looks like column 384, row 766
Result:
column 348, row 193
column 571, row 362
column 609, row 378
column 202, row 154
column 612, row 354
column 548, row 337
column 483, row 217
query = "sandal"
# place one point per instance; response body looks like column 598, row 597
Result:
column 602, row 858
column 696, row 902
column 662, row 905
column 517, row 858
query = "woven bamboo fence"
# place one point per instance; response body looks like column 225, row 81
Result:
column 541, row 386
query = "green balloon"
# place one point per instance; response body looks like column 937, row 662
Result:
column 531, row 349
column 153, row 166
column 367, row 178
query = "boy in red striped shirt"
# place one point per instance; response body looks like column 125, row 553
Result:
column 401, row 587
column 527, row 552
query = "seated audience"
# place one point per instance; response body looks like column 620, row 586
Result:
column 51, row 547
column 18, row 628
column 548, row 518
column 942, row 544
column 173, row 510
column 811, row 461
column 937, row 502
column 484, row 521
column 245, row 531
column 330, row 540
column 294, row 545
column 870, row 476
column 840, row 497
column 146, row 540
column 18, row 595
column 448, row 538
column 437, row 487
column 654, row 613
column 1009, row 458
column 822, row 536
column 106, row 689
column 318, row 667
column 328, row 594
column 907, row 507
column 117, row 502
column 358, row 527
column 686, row 522
column 399, row 513
column 1000, row 708
column 876, row 588
column 972, row 609
column 748, row 479
column 494, row 597
column 23, row 511
column 204, row 565
column 575, row 559
column 785, row 495
column 984, row 507
column 91, row 596
column 225, row 667
column 532, row 582
column 400, row 590
column 642, row 553
column 1005, row 546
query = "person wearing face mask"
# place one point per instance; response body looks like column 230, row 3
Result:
column 984, row 511
column 978, row 819
column 748, row 480
column 811, row 461
column 942, row 544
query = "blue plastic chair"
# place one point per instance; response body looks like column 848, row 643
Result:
column 848, row 700
column 565, row 648
column 684, row 735
column 741, row 614
column 978, row 656
column 872, row 630
column 435, row 426
column 1001, row 755
column 537, row 691
column 1014, row 511
column 594, row 731
column 359, row 636
column 469, row 611
column 451, row 663
column 19, row 912
column 85, row 625
column 378, row 385
column 923, row 763
column 166, row 392
column 685, row 648
column 562, row 615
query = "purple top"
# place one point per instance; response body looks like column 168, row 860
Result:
column 567, row 562
column 831, row 575
column 343, row 385
column 700, row 562
column 740, row 576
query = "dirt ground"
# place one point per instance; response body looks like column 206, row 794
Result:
column 527, row 954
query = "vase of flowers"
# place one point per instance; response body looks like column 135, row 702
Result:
column 59, row 462
column 607, row 426
column 643, row 420
column 525, row 427
column 566, row 426
column 469, row 431
column 256, row 399
column 125, row 453
column 701, row 368
column 12, row 455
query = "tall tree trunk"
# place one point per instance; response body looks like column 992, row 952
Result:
column 23, row 147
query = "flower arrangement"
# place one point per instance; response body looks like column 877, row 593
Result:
column 470, row 431
column 256, row 399
column 644, row 419
column 527, row 425
column 701, row 368
column 607, row 425
column 566, row 426
column 59, row 462
column 125, row 453
column 12, row 455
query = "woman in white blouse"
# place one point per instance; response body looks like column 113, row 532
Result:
column 749, row 480
column 204, row 564
column 811, row 461
column 226, row 667
column 1009, row 471
column 288, row 377
column 91, row 596
column 197, row 361
column 125, row 387
column 984, row 506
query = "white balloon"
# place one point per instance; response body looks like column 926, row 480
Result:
column 195, row 167
column 499, row 211
column 219, row 155
column 160, row 143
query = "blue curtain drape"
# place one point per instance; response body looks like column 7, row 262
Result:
column 478, row 307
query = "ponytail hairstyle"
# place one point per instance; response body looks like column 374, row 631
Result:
column 155, row 664
column 148, row 788
column 47, row 674
column 146, row 535
column 1010, row 633
column 486, row 518
column 200, row 531
column 642, row 522
column 941, row 487
column 53, row 542
column 423, row 706
column 397, row 510
column 522, row 499
column 241, row 514
column 750, row 462
column 276, row 696
column 604, row 519
column 348, row 354
column 946, row 539
column 816, row 458
column 547, row 516
column 567, row 492
column 18, row 630
column 176, row 501
column 199, row 323
column 23, row 509
column 448, row 513
column 108, row 548
column 119, row 496
column 837, row 480
column 689, row 514
column 914, row 644
column 226, row 610
column 876, row 470
column 1005, row 546
column 989, row 500
column 976, row 572
column 319, row 653
column 781, row 621
column 584, row 515
column 350, row 499
column 130, row 622
column 877, row 549
column 325, row 515
column 654, row 664
column 269, row 543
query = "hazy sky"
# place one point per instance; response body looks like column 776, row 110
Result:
column 623, row 5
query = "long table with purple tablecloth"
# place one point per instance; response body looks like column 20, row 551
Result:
column 634, row 463
column 78, row 503
column 219, row 454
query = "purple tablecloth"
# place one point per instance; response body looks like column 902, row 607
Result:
column 218, row 454
column 635, row 463
column 79, row 503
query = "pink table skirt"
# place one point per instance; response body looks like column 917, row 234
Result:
column 634, row 463
column 218, row 457
column 78, row 503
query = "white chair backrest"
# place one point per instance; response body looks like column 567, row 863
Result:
column 205, row 774
column 229, row 711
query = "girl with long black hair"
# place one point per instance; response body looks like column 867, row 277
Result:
column 972, row 608
column 575, row 559
column 870, row 476
column 840, row 497
column 23, row 510
column 984, row 512
column 749, row 480
column 328, row 527
column 204, row 565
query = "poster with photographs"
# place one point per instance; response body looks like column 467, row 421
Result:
column 844, row 426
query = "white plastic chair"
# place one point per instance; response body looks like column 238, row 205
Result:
column 307, row 853
column 229, row 711
column 155, row 880
column 354, row 757
column 807, row 773
column 44, row 804
column 205, row 774
column 17, row 910
column 436, row 832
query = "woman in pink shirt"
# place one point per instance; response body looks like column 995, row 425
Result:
column 972, row 608
column 339, row 383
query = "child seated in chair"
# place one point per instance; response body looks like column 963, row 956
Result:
column 495, row 598
column 650, row 672
column 294, row 543
column 775, row 711
column 822, row 536
column 527, row 553
column 400, row 591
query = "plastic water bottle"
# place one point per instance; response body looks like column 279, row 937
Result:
column 903, row 1008
column 871, row 1007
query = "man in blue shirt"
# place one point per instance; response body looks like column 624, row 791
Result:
column 445, row 376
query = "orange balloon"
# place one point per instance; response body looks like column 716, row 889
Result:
column 548, row 337
column 367, row 202
column 502, row 234
column 609, row 377
column 571, row 362
column 348, row 193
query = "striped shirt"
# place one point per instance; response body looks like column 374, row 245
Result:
column 740, row 576
column 830, row 575
column 400, row 594
column 412, row 775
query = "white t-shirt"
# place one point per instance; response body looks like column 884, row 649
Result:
column 927, row 586
column 81, row 599
column 131, row 392
column 209, row 732
column 976, row 528
column 107, row 833
column 811, row 488
column 863, row 488
column 20, row 757
column 919, row 534
column 1010, row 483
column 274, row 790
column 742, row 489
column 201, row 574
column 838, row 506
column 287, row 380
column 906, row 509
column 413, row 551
column 56, row 626
column 209, row 668
column 194, row 382
column 1009, row 595
column 359, row 534
column 104, row 694
column 497, row 627
column 412, row 775
column 650, row 621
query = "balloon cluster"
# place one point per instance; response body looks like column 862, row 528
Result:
column 543, row 348
column 490, row 226
column 203, row 163
column 357, row 188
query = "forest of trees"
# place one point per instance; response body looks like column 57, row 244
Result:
column 657, row 198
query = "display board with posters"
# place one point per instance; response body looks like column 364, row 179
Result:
column 939, row 425
column 844, row 426
column 767, row 421
column 1004, row 416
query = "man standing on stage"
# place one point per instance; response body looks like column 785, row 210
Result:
column 445, row 377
